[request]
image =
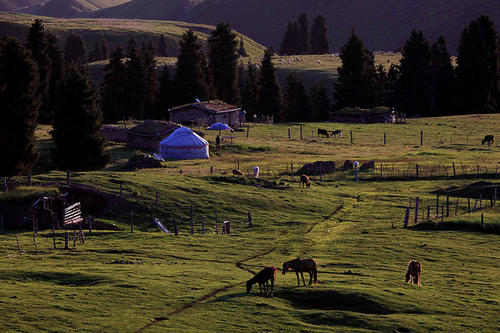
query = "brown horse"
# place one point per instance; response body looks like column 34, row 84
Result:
column 413, row 273
column 323, row 132
column 262, row 278
column 300, row 266
column 489, row 139
column 304, row 180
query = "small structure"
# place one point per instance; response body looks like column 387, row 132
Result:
column 150, row 133
column 219, row 127
column 184, row 144
column 206, row 113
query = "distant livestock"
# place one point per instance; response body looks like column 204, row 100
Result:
column 367, row 166
column 256, row 171
column 337, row 132
column 413, row 273
column 304, row 181
column 323, row 132
column 490, row 139
column 238, row 172
column 302, row 265
column 262, row 278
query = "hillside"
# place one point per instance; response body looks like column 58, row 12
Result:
column 116, row 32
column 70, row 8
column 20, row 5
column 383, row 24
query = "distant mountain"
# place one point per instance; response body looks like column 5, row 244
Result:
column 20, row 5
column 71, row 8
column 383, row 24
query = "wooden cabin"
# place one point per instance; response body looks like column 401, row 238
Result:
column 206, row 113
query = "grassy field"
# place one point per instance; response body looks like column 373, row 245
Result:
column 122, row 281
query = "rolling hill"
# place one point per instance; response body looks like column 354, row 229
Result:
column 383, row 24
column 21, row 5
column 70, row 8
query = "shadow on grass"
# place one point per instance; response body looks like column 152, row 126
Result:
column 60, row 278
column 460, row 225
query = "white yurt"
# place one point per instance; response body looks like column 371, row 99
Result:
column 184, row 144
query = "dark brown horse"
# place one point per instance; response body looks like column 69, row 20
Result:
column 262, row 278
column 489, row 139
column 413, row 272
column 304, row 180
column 323, row 132
column 302, row 265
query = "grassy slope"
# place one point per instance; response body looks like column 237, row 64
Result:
column 116, row 31
column 361, row 257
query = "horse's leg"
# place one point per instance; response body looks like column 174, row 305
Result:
column 260, row 289
column 310, row 277
column 267, row 288
column 298, row 280
column 302, row 274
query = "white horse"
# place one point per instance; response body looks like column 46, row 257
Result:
column 256, row 171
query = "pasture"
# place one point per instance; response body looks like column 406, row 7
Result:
column 122, row 281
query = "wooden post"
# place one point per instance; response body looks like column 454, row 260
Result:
column 288, row 134
column 203, row 226
column 81, row 236
column 356, row 171
column 454, row 173
column 351, row 136
column 447, row 206
column 421, row 138
column 74, row 237
column 300, row 132
column 66, row 240
column 437, row 205
column 442, row 214
column 416, row 209
column 428, row 212
column 29, row 178
column 131, row 220
column 468, row 205
column 407, row 216
column 482, row 221
column 384, row 139
column 68, row 178
column 250, row 222
column 192, row 220
column 238, row 165
column 416, row 168
column 121, row 190
column 211, row 169
column 18, row 246
column 291, row 166
column 248, row 130
column 475, row 204
column 216, row 221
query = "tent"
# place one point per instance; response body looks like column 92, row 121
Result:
column 184, row 144
column 219, row 127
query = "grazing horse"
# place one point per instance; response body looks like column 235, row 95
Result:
column 323, row 132
column 337, row 132
column 262, row 278
column 413, row 273
column 300, row 266
column 490, row 139
column 304, row 180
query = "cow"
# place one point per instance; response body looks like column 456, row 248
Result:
column 323, row 132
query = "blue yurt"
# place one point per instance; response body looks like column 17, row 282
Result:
column 184, row 144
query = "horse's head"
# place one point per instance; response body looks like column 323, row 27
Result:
column 285, row 267
column 407, row 276
column 249, row 286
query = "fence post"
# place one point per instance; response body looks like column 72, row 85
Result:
column 250, row 222
column 380, row 170
column 248, row 130
column 351, row 136
column 211, row 169
column 18, row 246
column 437, row 205
column 176, row 230
column 216, row 221
column 447, row 206
column 291, row 166
column 416, row 209
column 482, row 221
column 428, row 212
column 66, row 240
column 421, row 138
column 300, row 132
column 454, row 173
column 416, row 168
column 468, row 204
column 384, row 138
column 192, row 220
column 289, row 134
column 442, row 214
column 131, row 220
column 238, row 165
column 407, row 216
column 480, row 201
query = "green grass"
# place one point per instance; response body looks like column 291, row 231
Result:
column 121, row 281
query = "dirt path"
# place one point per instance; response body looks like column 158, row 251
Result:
column 326, row 218
column 238, row 264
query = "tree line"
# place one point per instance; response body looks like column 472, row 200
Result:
column 298, row 39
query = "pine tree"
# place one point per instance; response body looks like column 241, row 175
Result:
column 104, row 49
column 443, row 83
column 296, row 102
column 269, row 99
column 37, row 43
column 477, row 69
column 166, row 97
column 414, row 86
column 136, row 83
column 223, row 62
column 381, row 85
column 151, row 80
column 19, row 98
column 303, row 37
column 289, row 44
column 95, row 54
column 162, row 49
column 56, row 73
column 241, row 50
column 319, row 36
column 320, row 105
column 356, row 83
column 114, row 88
column 250, row 90
column 390, row 97
column 79, row 144
column 75, row 50
column 189, row 79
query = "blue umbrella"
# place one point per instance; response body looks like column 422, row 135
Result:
column 219, row 127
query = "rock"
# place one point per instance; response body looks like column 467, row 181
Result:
column 317, row 168
column 367, row 166
column 143, row 162
column 348, row 165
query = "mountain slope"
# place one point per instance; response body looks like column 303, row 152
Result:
column 17, row 5
column 383, row 24
column 69, row 8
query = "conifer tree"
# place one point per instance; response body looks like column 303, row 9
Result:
column 114, row 88
column 37, row 43
column 356, row 83
column 289, row 44
column 414, row 86
column 269, row 99
column 223, row 62
column 189, row 79
column 250, row 90
column 79, row 143
column 381, row 85
column 56, row 73
column 390, row 97
column 320, row 105
column 136, row 82
column 303, row 36
column 477, row 69
column 166, row 97
column 162, row 49
column 95, row 54
column 241, row 50
column 443, row 83
column 296, row 102
column 319, row 36
column 151, row 80
column 19, row 98
column 104, row 49
column 75, row 50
